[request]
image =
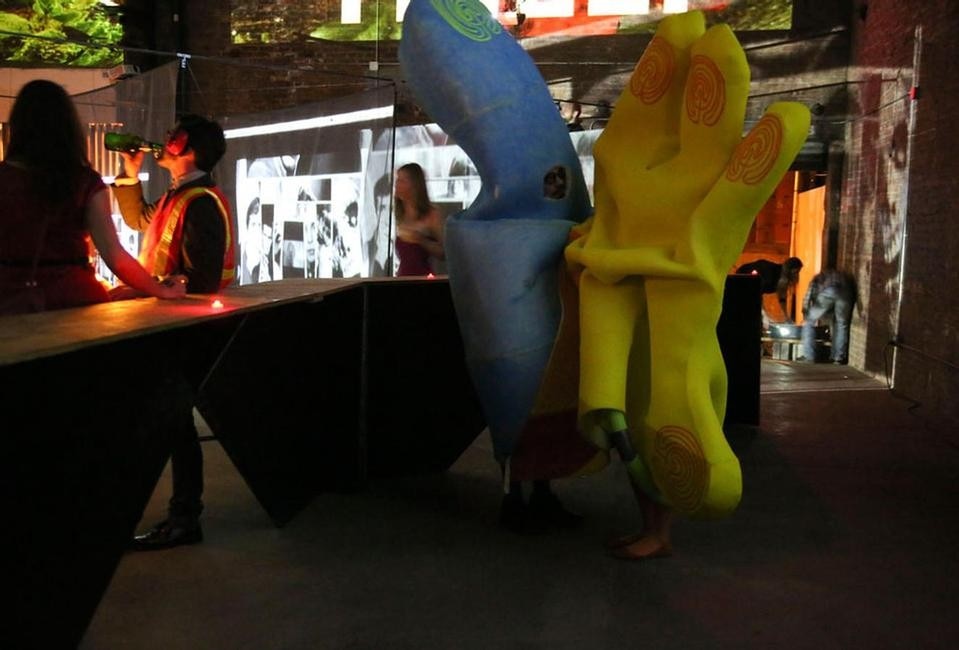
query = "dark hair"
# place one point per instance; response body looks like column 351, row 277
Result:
column 554, row 183
column 421, row 201
column 46, row 136
column 206, row 139
column 788, row 276
column 253, row 208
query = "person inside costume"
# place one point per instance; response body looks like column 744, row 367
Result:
column 677, row 188
column 504, row 253
column 54, row 204
column 188, row 231
column 419, row 225
column 654, row 263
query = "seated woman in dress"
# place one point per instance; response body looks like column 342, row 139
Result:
column 54, row 203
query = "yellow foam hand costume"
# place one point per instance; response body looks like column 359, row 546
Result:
column 677, row 188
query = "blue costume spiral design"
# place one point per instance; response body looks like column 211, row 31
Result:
column 469, row 17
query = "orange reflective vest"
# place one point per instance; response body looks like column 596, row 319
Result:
column 162, row 243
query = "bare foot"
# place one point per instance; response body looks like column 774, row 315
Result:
column 619, row 541
column 645, row 548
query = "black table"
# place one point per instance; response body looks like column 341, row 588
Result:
column 308, row 385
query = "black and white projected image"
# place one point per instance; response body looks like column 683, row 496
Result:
column 328, row 213
column 346, row 244
column 294, row 254
column 344, row 221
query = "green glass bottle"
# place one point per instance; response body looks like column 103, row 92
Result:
column 130, row 143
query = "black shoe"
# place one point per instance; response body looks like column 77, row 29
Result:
column 167, row 535
column 515, row 517
column 546, row 507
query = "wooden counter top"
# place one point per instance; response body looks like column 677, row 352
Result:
column 32, row 336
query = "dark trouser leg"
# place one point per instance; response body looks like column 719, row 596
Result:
column 545, row 505
column 187, row 463
column 842, row 315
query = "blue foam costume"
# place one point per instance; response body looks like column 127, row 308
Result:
column 504, row 252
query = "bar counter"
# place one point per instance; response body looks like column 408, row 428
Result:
column 309, row 385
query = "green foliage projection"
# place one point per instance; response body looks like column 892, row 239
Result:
column 387, row 29
column 46, row 23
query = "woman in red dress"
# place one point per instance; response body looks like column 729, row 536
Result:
column 53, row 204
column 419, row 225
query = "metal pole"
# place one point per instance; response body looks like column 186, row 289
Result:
column 910, row 137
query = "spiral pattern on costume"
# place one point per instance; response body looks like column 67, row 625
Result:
column 705, row 92
column 757, row 153
column 469, row 17
column 654, row 72
column 679, row 468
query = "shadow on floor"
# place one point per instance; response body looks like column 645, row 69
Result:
column 845, row 538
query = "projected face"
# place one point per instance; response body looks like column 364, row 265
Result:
column 267, row 237
column 252, row 238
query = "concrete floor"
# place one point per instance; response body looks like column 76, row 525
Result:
column 846, row 538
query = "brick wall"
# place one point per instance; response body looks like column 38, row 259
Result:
column 259, row 76
column 900, row 195
column 592, row 70
column 872, row 176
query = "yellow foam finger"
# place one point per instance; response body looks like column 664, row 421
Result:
column 668, row 225
column 679, row 431
column 645, row 121
column 714, row 100
column 721, row 223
